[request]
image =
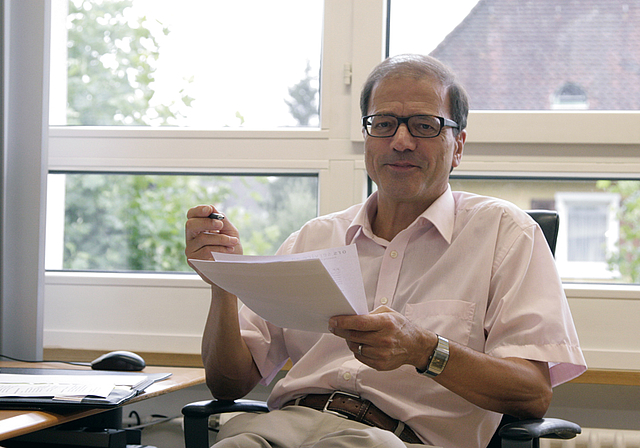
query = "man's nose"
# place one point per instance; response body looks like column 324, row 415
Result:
column 403, row 140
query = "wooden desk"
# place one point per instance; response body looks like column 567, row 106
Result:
column 15, row 423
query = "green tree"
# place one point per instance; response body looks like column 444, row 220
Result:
column 132, row 222
column 111, row 65
column 626, row 259
column 287, row 202
column 303, row 104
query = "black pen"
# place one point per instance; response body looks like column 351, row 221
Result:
column 216, row 216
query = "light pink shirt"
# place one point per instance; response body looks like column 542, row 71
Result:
column 473, row 269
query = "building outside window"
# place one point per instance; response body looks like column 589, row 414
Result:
column 591, row 224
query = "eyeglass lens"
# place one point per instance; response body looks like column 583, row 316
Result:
column 419, row 125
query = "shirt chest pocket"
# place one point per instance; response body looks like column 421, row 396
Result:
column 452, row 319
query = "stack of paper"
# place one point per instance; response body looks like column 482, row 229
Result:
column 299, row 291
column 64, row 387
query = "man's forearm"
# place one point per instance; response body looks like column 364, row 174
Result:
column 513, row 386
column 385, row 339
column 230, row 370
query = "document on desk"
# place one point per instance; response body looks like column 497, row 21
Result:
column 300, row 291
column 43, row 388
column 64, row 387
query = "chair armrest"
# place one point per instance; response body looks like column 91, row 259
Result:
column 196, row 417
column 210, row 407
column 521, row 433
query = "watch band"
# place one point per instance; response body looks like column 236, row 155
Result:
column 438, row 360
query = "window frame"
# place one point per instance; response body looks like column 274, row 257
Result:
column 499, row 143
column 572, row 143
column 586, row 269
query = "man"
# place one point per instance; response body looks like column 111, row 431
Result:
column 468, row 318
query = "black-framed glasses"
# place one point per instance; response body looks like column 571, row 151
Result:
column 421, row 126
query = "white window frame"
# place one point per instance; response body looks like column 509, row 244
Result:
column 523, row 143
column 593, row 143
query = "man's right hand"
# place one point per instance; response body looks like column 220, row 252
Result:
column 205, row 235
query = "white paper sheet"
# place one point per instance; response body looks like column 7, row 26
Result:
column 300, row 291
column 61, row 386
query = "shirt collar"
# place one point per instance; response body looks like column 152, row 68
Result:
column 441, row 214
column 362, row 221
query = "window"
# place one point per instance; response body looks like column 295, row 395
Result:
column 596, row 240
column 570, row 96
column 206, row 64
column 545, row 145
column 528, row 68
column 153, row 73
column 590, row 222
column 135, row 222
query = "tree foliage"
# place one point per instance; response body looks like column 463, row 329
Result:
column 135, row 222
column 303, row 105
column 625, row 260
column 111, row 65
column 131, row 222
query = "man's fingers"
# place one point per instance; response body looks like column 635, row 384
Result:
column 201, row 211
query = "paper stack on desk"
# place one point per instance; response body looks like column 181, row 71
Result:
column 64, row 387
column 51, row 388
column 299, row 291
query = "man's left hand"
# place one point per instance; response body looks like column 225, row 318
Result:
column 384, row 339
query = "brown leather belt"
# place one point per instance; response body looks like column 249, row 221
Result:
column 354, row 408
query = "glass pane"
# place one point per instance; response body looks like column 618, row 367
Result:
column 205, row 64
column 135, row 222
column 586, row 232
column 598, row 239
column 528, row 55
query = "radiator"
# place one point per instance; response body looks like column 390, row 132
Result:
column 597, row 438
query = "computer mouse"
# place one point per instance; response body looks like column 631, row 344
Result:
column 119, row 360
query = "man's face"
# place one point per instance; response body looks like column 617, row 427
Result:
column 407, row 168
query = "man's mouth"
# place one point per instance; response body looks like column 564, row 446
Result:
column 402, row 165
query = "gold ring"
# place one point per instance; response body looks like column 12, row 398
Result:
column 360, row 350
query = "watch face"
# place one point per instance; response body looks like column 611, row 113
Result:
column 439, row 358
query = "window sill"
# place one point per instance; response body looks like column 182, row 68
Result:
column 191, row 280
column 170, row 132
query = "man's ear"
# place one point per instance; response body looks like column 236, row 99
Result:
column 458, row 149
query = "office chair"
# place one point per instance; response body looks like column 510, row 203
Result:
column 512, row 433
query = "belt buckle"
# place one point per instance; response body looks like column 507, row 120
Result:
column 331, row 398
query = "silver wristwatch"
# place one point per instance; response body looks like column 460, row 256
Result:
column 438, row 360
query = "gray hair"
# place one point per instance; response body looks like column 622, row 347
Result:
column 420, row 66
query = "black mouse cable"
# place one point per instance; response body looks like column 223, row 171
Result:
column 85, row 364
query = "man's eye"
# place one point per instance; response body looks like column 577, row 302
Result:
column 424, row 125
column 382, row 124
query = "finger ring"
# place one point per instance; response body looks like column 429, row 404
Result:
column 360, row 350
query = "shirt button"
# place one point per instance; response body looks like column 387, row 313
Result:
column 347, row 376
column 384, row 300
column 393, row 254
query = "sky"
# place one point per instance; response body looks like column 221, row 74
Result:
column 241, row 55
column 418, row 26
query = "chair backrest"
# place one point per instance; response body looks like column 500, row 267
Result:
column 549, row 222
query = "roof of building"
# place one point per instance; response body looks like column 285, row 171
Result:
column 546, row 54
